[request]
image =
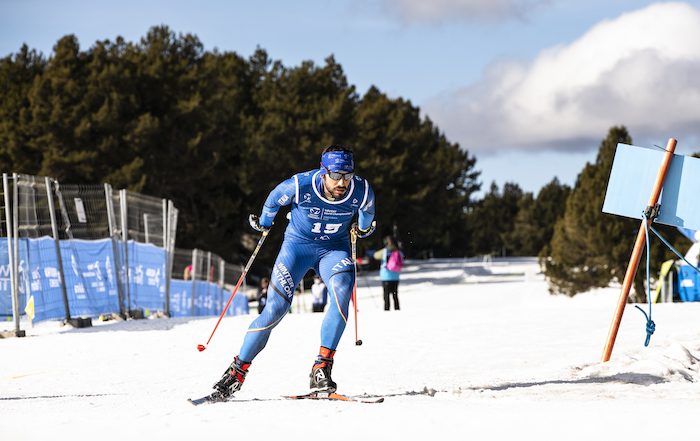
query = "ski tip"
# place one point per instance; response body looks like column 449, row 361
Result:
column 198, row 401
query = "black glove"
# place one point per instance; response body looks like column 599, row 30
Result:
column 255, row 223
column 363, row 233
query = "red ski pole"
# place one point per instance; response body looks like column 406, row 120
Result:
column 353, row 240
column 201, row 347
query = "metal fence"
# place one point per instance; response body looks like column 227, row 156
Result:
column 84, row 250
column 211, row 278
column 65, row 252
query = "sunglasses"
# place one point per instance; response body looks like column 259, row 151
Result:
column 338, row 176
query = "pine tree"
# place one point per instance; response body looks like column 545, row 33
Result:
column 549, row 207
column 589, row 249
column 414, row 169
column 525, row 237
column 17, row 75
column 534, row 223
column 215, row 132
column 492, row 219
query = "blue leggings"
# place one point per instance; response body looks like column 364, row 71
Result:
column 333, row 263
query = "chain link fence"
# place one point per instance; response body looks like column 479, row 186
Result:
column 212, row 280
column 70, row 250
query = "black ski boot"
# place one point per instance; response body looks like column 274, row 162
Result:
column 321, row 380
column 231, row 381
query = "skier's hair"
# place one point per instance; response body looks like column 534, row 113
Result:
column 336, row 148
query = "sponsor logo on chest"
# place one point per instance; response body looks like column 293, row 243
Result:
column 306, row 199
column 330, row 214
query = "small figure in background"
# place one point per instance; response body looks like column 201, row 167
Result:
column 390, row 271
column 262, row 294
column 187, row 274
column 320, row 294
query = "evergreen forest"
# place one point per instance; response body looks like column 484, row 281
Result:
column 215, row 132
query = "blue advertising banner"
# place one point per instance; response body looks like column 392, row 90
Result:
column 5, row 287
column 180, row 298
column 91, row 278
column 45, row 278
column 239, row 305
column 146, row 276
column 5, row 293
column 89, row 271
column 206, row 299
column 5, row 290
column 209, row 299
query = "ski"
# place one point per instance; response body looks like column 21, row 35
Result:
column 212, row 398
column 334, row 396
column 205, row 399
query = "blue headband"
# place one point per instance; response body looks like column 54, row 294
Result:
column 340, row 162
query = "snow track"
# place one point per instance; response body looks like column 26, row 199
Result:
column 497, row 358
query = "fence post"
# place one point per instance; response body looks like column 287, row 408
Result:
column 57, row 242
column 172, row 232
column 111, row 221
column 145, row 227
column 15, row 246
column 14, row 295
column 209, row 277
column 193, row 274
column 110, row 209
column 222, row 268
column 125, row 238
column 166, row 264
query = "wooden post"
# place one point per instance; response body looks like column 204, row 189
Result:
column 637, row 253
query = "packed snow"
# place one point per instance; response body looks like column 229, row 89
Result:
column 479, row 350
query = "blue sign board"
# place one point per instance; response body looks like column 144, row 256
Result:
column 632, row 180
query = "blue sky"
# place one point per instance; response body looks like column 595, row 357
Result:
column 529, row 87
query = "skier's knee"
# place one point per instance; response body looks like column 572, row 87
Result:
column 341, row 285
column 274, row 310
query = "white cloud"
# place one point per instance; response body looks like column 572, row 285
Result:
column 641, row 70
column 440, row 11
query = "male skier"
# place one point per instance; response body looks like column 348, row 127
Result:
column 324, row 203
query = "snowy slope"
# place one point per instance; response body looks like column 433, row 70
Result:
column 478, row 351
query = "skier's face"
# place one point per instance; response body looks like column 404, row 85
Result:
column 335, row 188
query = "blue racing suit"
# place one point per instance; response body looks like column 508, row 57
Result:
column 317, row 238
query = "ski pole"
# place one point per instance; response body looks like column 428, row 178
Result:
column 353, row 240
column 201, row 347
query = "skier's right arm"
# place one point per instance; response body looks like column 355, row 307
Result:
column 282, row 195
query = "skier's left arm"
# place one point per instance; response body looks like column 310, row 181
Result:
column 365, row 217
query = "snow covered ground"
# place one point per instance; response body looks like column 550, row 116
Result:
column 477, row 352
